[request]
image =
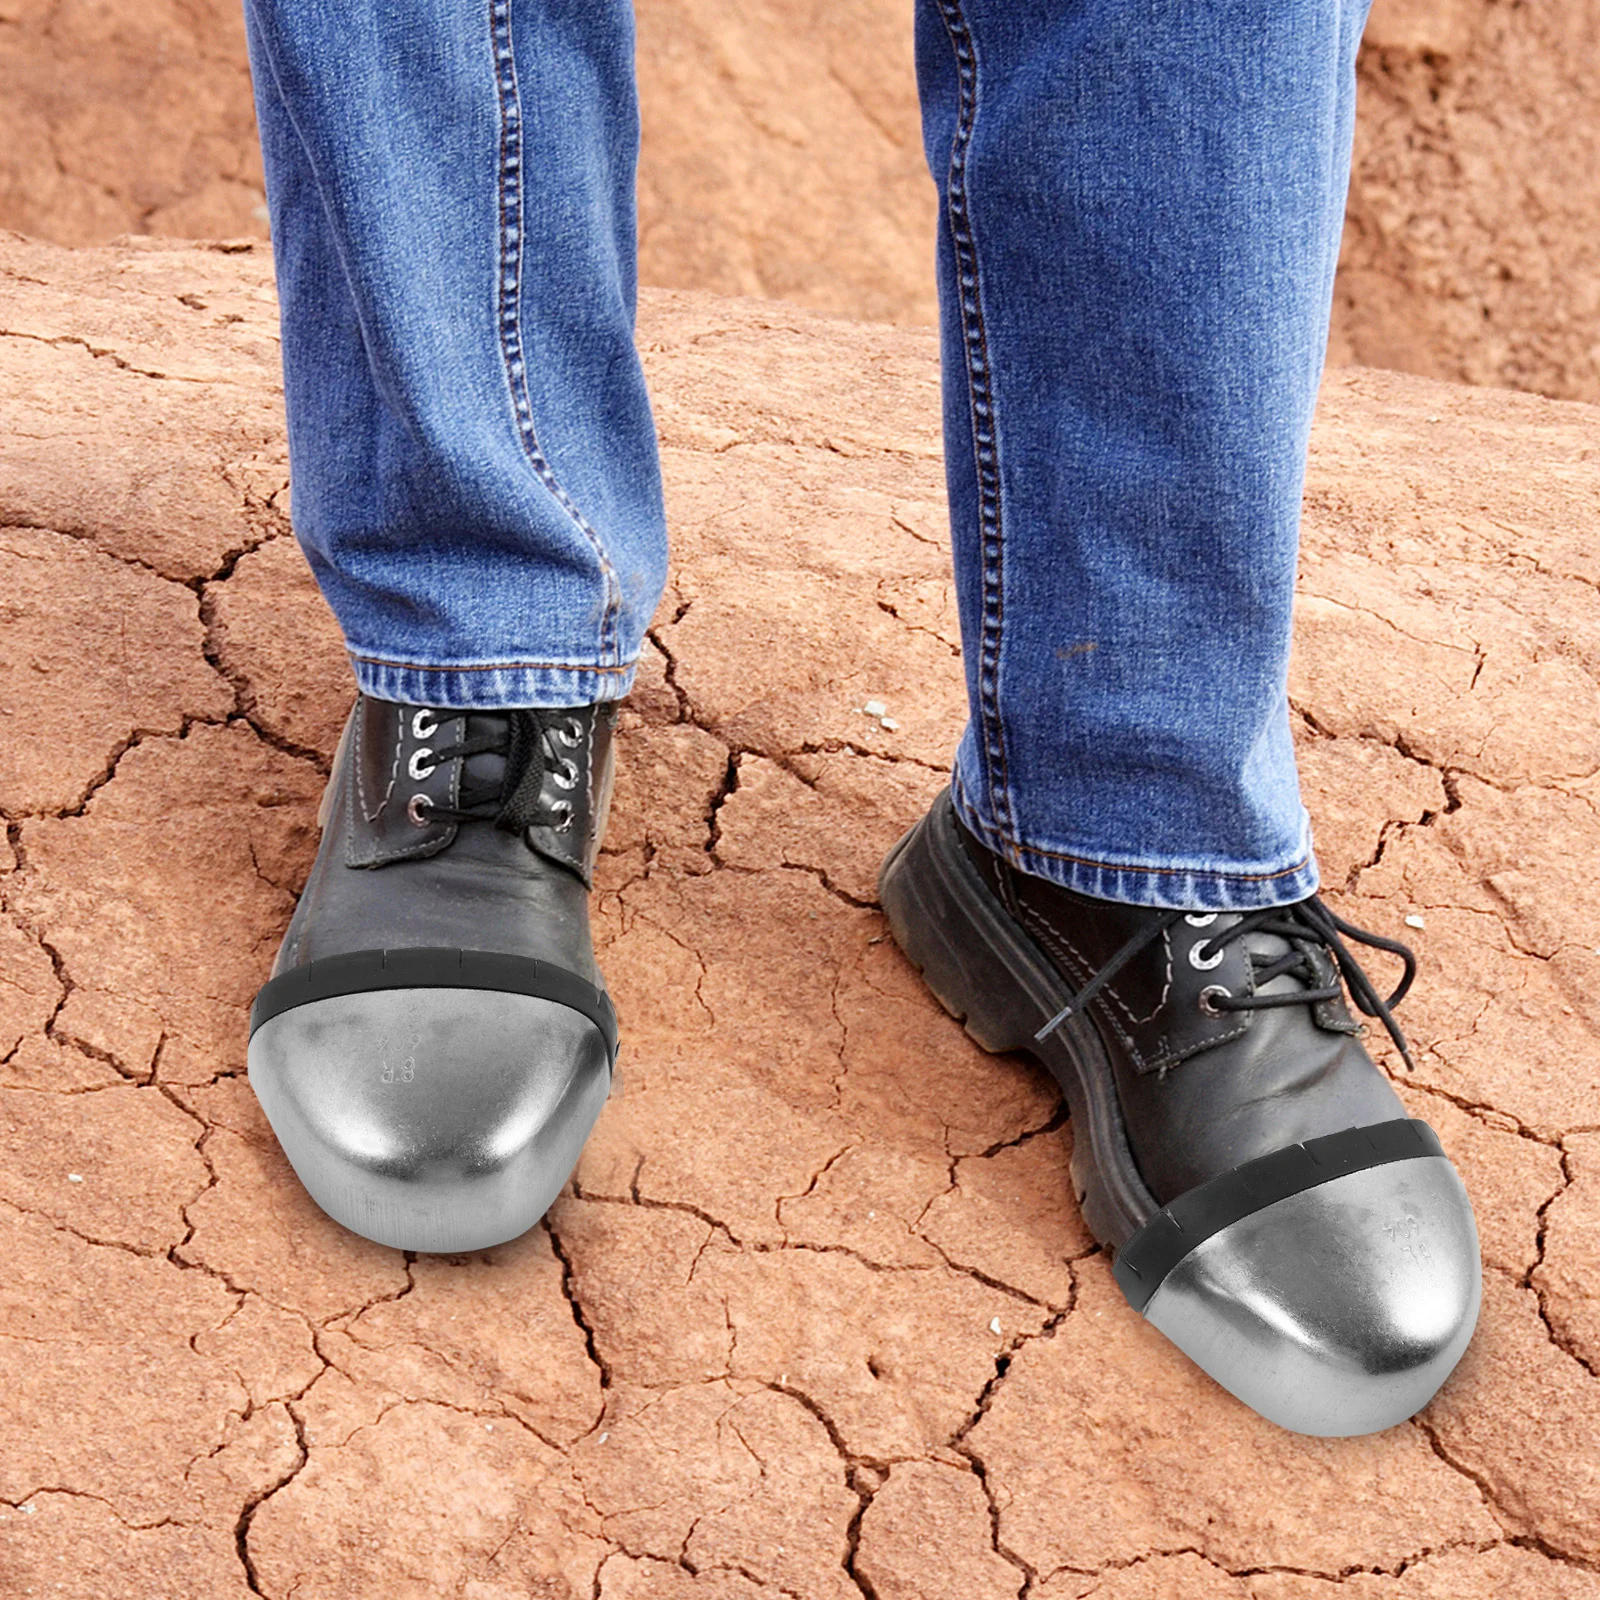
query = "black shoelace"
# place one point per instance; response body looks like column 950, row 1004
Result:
column 531, row 742
column 1307, row 921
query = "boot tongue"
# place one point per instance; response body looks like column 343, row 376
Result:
column 511, row 779
column 486, row 771
column 1265, row 949
column 1315, row 969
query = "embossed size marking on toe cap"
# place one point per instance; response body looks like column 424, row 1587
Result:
column 1179, row 1227
column 361, row 971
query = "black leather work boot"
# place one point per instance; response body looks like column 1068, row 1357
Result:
column 1273, row 1210
column 436, row 1042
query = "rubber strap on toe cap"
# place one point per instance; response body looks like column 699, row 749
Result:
column 362, row 971
column 1145, row 1260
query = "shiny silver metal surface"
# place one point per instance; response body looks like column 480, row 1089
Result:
column 1339, row 1310
column 431, row 1119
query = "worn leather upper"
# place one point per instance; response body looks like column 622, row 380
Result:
column 392, row 874
column 1201, row 1091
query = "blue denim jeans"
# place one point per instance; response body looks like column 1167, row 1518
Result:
column 1141, row 214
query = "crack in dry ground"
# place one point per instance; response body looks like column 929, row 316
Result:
column 99, row 353
column 1563, row 1343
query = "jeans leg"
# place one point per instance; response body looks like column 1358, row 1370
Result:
column 1142, row 206
column 474, row 468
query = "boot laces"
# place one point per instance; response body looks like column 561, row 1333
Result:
column 1304, row 925
column 535, row 743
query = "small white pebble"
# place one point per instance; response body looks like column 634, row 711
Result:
column 875, row 708
column 889, row 725
column 603, row 1437
column 74, row 1177
column 1414, row 921
column 27, row 1511
column 1435, row 419
column 872, row 1216
column 994, row 1325
column 783, row 1380
column 488, row 1427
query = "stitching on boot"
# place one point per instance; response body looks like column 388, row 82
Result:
column 432, row 847
column 1111, row 989
column 1070, row 957
column 371, row 812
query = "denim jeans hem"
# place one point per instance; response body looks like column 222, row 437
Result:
column 1168, row 886
column 494, row 687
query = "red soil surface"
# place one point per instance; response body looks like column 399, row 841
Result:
column 817, row 1316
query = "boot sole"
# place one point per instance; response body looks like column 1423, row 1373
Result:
column 994, row 980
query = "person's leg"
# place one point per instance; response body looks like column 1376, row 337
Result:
column 476, row 487
column 474, row 465
column 1141, row 210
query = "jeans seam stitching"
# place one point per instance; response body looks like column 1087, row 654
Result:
column 980, row 400
column 987, row 832
column 511, row 223
column 1168, row 872
column 492, row 666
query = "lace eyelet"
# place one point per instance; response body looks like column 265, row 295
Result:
column 1200, row 919
column 424, row 723
column 563, row 809
column 1202, row 963
column 418, row 804
column 415, row 766
column 1209, row 996
column 571, row 735
column 565, row 776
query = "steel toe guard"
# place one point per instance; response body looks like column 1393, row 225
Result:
column 1329, row 1275
column 1332, row 1286
column 436, row 1042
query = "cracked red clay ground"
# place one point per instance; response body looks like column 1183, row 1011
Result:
column 818, row 1316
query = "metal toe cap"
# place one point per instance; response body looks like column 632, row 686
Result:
column 1338, row 1310
column 431, row 1119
